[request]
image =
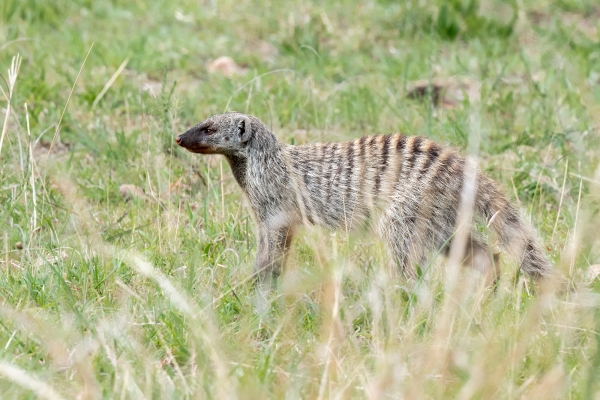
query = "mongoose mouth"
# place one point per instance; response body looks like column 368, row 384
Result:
column 201, row 149
column 194, row 148
column 198, row 149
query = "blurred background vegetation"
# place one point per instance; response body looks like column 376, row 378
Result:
column 125, row 262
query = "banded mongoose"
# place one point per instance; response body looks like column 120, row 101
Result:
column 408, row 185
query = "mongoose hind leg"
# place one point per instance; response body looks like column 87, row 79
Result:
column 404, row 242
column 273, row 248
column 478, row 256
column 411, row 241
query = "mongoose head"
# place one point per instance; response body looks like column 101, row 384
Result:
column 226, row 133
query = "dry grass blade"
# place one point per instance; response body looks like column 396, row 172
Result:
column 13, row 72
column 26, row 380
column 560, row 203
column 32, row 170
column 576, row 230
column 62, row 114
column 112, row 80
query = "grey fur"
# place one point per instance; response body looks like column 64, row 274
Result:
column 409, row 186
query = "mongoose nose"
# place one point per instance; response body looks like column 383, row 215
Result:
column 178, row 140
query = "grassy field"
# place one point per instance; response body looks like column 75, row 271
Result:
column 143, row 291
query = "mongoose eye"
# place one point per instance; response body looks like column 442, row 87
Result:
column 209, row 131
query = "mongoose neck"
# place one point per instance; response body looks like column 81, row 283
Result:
column 239, row 167
column 249, row 165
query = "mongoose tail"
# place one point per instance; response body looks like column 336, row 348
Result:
column 516, row 237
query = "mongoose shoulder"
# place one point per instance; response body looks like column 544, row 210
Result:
column 408, row 186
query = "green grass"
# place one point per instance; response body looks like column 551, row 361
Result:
column 104, row 297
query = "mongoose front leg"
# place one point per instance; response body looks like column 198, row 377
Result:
column 273, row 246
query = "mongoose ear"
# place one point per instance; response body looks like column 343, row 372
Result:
column 244, row 129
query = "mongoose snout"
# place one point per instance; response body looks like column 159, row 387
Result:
column 195, row 141
column 406, row 187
